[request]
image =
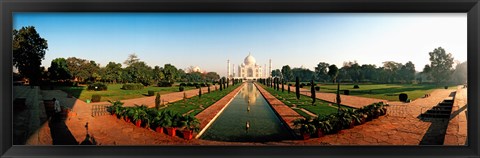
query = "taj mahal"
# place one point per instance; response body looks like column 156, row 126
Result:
column 249, row 69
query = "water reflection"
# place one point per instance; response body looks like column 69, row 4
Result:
column 258, row 123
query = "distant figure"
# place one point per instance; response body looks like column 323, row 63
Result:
column 56, row 106
column 248, row 109
column 248, row 125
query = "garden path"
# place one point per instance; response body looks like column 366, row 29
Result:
column 347, row 100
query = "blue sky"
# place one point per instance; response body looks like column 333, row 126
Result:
column 208, row 40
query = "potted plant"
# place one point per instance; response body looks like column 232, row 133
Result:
column 190, row 124
column 335, row 123
column 157, row 120
column 171, row 124
column 305, row 126
column 138, row 113
column 115, row 108
column 322, row 125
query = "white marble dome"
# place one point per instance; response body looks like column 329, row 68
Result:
column 249, row 60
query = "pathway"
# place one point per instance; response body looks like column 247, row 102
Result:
column 347, row 100
column 456, row 133
column 166, row 98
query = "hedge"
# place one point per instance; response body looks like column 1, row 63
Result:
column 132, row 86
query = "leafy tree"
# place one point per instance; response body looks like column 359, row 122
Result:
column 78, row 68
column 407, row 72
column 132, row 58
column 28, row 52
column 170, row 72
column 352, row 70
column 333, row 72
column 369, row 72
column 304, row 74
column 276, row 73
column 140, row 72
column 194, row 77
column 287, row 73
column 321, row 71
column 113, row 72
column 460, row 73
column 157, row 74
column 391, row 69
column 212, row 76
column 58, row 70
column 441, row 65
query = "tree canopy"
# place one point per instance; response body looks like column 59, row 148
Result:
column 441, row 65
column 28, row 52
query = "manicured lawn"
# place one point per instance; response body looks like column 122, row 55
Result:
column 384, row 91
column 195, row 103
column 320, row 108
column 114, row 92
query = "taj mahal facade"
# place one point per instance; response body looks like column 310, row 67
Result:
column 249, row 70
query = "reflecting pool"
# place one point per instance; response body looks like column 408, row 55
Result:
column 248, row 118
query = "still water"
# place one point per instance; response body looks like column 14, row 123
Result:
column 248, row 118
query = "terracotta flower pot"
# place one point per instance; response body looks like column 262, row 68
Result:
column 320, row 133
column 187, row 134
column 171, row 131
column 306, row 136
column 127, row 119
column 352, row 124
column 138, row 123
column 159, row 129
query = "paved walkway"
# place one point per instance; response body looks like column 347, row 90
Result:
column 347, row 100
column 166, row 98
column 399, row 127
column 456, row 133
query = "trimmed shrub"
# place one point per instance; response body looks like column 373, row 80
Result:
column 96, row 98
column 189, row 84
column 97, row 86
column 183, row 84
column 151, row 93
column 346, row 92
column 317, row 88
column 132, row 86
column 446, row 87
column 197, row 86
column 203, row 84
column 403, row 97
column 164, row 84
column 181, row 88
column 356, row 86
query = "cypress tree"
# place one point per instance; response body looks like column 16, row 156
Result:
column 312, row 90
column 297, row 88
column 282, row 86
column 157, row 101
column 200, row 92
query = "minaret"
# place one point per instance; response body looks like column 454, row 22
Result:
column 233, row 70
column 270, row 69
column 265, row 71
column 228, row 68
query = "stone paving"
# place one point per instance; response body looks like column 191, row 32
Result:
column 456, row 133
column 393, row 129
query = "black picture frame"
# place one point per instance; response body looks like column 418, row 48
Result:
column 471, row 7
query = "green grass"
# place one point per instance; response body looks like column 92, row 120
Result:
column 114, row 92
column 384, row 91
column 320, row 108
column 194, row 103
